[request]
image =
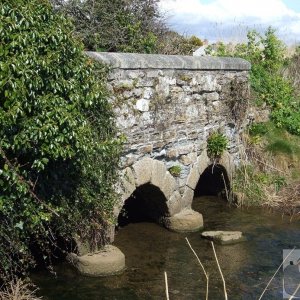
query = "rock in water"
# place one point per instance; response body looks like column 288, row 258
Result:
column 223, row 237
column 109, row 261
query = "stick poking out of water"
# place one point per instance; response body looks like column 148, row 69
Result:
column 166, row 284
column 297, row 289
column 276, row 273
column 205, row 273
column 224, row 284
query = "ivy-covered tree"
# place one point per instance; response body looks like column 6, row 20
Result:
column 58, row 151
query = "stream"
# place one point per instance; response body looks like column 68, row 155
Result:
column 150, row 250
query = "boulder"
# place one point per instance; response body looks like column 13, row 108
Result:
column 187, row 220
column 108, row 261
column 223, row 237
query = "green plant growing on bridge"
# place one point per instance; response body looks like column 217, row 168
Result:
column 175, row 171
column 58, row 152
column 217, row 143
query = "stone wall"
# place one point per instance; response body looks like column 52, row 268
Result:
column 167, row 106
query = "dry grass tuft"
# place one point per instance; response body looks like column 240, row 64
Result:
column 19, row 290
column 287, row 200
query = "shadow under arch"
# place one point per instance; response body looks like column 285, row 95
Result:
column 146, row 204
column 214, row 181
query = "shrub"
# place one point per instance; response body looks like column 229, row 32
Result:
column 216, row 144
column 58, row 154
column 267, row 56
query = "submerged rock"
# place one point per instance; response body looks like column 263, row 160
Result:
column 187, row 220
column 108, row 261
column 223, row 237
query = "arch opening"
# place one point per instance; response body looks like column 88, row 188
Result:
column 146, row 204
column 213, row 181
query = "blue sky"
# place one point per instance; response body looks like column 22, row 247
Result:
column 229, row 20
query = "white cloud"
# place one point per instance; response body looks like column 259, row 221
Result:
column 193, row 17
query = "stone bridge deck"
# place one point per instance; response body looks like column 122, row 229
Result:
column 167, row 106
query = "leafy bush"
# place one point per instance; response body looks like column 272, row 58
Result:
column 58, row 154
column 216, row 144
column 269, row 86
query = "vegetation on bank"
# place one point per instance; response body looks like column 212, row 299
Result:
column 272, row 148
column 58, row 151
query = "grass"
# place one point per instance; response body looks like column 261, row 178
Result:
column 269, row 173
column 18, row 289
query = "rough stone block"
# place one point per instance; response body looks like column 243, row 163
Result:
column 142, row 104
column 227, row 162
column 193, row 177
column 109, row 261
column 142, row 171
column 212, row 96
column 169, row 185
column 148, row 93
column 203, row 162
column 158, row 173
column 187, row 197
column 188, row 159
column 187, row 220
column 146, row 149
column 174, row 203
column 128, row 184
column 172, row 153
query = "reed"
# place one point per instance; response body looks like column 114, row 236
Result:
column 203, row 269
column 221, row 273
column 166, row 286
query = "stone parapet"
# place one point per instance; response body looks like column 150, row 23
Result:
column 175, row 62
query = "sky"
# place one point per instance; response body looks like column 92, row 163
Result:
column 229, row 20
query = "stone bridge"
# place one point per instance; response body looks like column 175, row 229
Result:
column 167, row 106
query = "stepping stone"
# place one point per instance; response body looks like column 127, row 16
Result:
column 108, row 261
column 224, row 237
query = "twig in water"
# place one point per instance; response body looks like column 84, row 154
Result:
column 166, row 284
column 225, row 185
column 205, row 273
column 275, row 273
column 296, row 290
column 224, row 284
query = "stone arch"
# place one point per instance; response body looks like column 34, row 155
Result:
column 147, row 173
column 146, row 203
column 213, row 181
column 197, row 169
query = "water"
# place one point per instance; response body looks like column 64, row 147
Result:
column 150, row 250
